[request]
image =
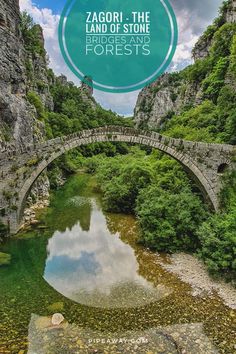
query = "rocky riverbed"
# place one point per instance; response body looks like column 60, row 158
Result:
column 194, row 272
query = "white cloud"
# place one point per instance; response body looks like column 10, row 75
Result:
column 192, row 20
column 122, row 103
column 49, row 23
column 187, row 40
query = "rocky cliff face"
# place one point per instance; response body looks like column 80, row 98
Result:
column 38, row 79
column 21, row 72
column 202, row 48
column 24, row 70
column 86, row 89
column 158, row 101
column 172, row 93
column 18, row 124
column 87, row 92
column 230, row 15
column 169, row 95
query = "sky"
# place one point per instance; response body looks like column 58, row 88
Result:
column 193, row 17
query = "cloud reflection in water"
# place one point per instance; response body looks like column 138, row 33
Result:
column 96, row 268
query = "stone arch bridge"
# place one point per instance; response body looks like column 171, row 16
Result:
column 19, row 169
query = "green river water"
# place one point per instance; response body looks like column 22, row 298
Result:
column 114, row 295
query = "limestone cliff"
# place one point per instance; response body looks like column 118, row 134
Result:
column 86, row 89
column 38, row 79
column 230, row 13
column 20, row 72
column 24, row 71
column 158, row 101
column 18, row 124
column 173, row 93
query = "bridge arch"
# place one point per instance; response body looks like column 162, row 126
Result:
column 173, row 147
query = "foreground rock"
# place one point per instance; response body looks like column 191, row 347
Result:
column 70, row 339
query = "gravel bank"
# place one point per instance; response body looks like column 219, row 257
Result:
column 192, row 271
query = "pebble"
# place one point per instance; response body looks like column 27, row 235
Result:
column 57, row 319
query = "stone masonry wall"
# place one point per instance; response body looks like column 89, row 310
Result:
column 20, row 169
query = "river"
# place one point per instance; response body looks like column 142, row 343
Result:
column 115, row 296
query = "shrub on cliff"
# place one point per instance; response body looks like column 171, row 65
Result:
column 32, row 35
column 35, row 100
column 216, row 80
column 222, row 41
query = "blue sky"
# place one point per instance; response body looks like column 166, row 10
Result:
column 56, row 6
column 193, row 17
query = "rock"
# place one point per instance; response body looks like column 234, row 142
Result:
column 158, row 101
column 34, row 222
column 230, row 15
column 87, row 86
column 18, row 123
column 57, row 319
column 202, row 48
column 40, row 192
column 43, row 323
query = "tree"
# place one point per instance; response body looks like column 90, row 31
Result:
column 120, row 193
column 32, row 35
column 169, row 221
column 218, row 243
column 26, row 24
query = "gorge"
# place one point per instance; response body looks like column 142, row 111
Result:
column 138, row 209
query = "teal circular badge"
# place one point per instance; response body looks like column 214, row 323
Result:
column 122, row 45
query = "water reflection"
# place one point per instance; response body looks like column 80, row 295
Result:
column 94, row 267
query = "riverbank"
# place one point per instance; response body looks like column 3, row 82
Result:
column 30, row 214
column 194, row 272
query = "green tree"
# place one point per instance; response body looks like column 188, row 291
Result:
column 169, row 221
column 26, row 24
column 218, row 243
column 216, row 80
column 120, row 192
column 222, row 41
column 32, row 35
